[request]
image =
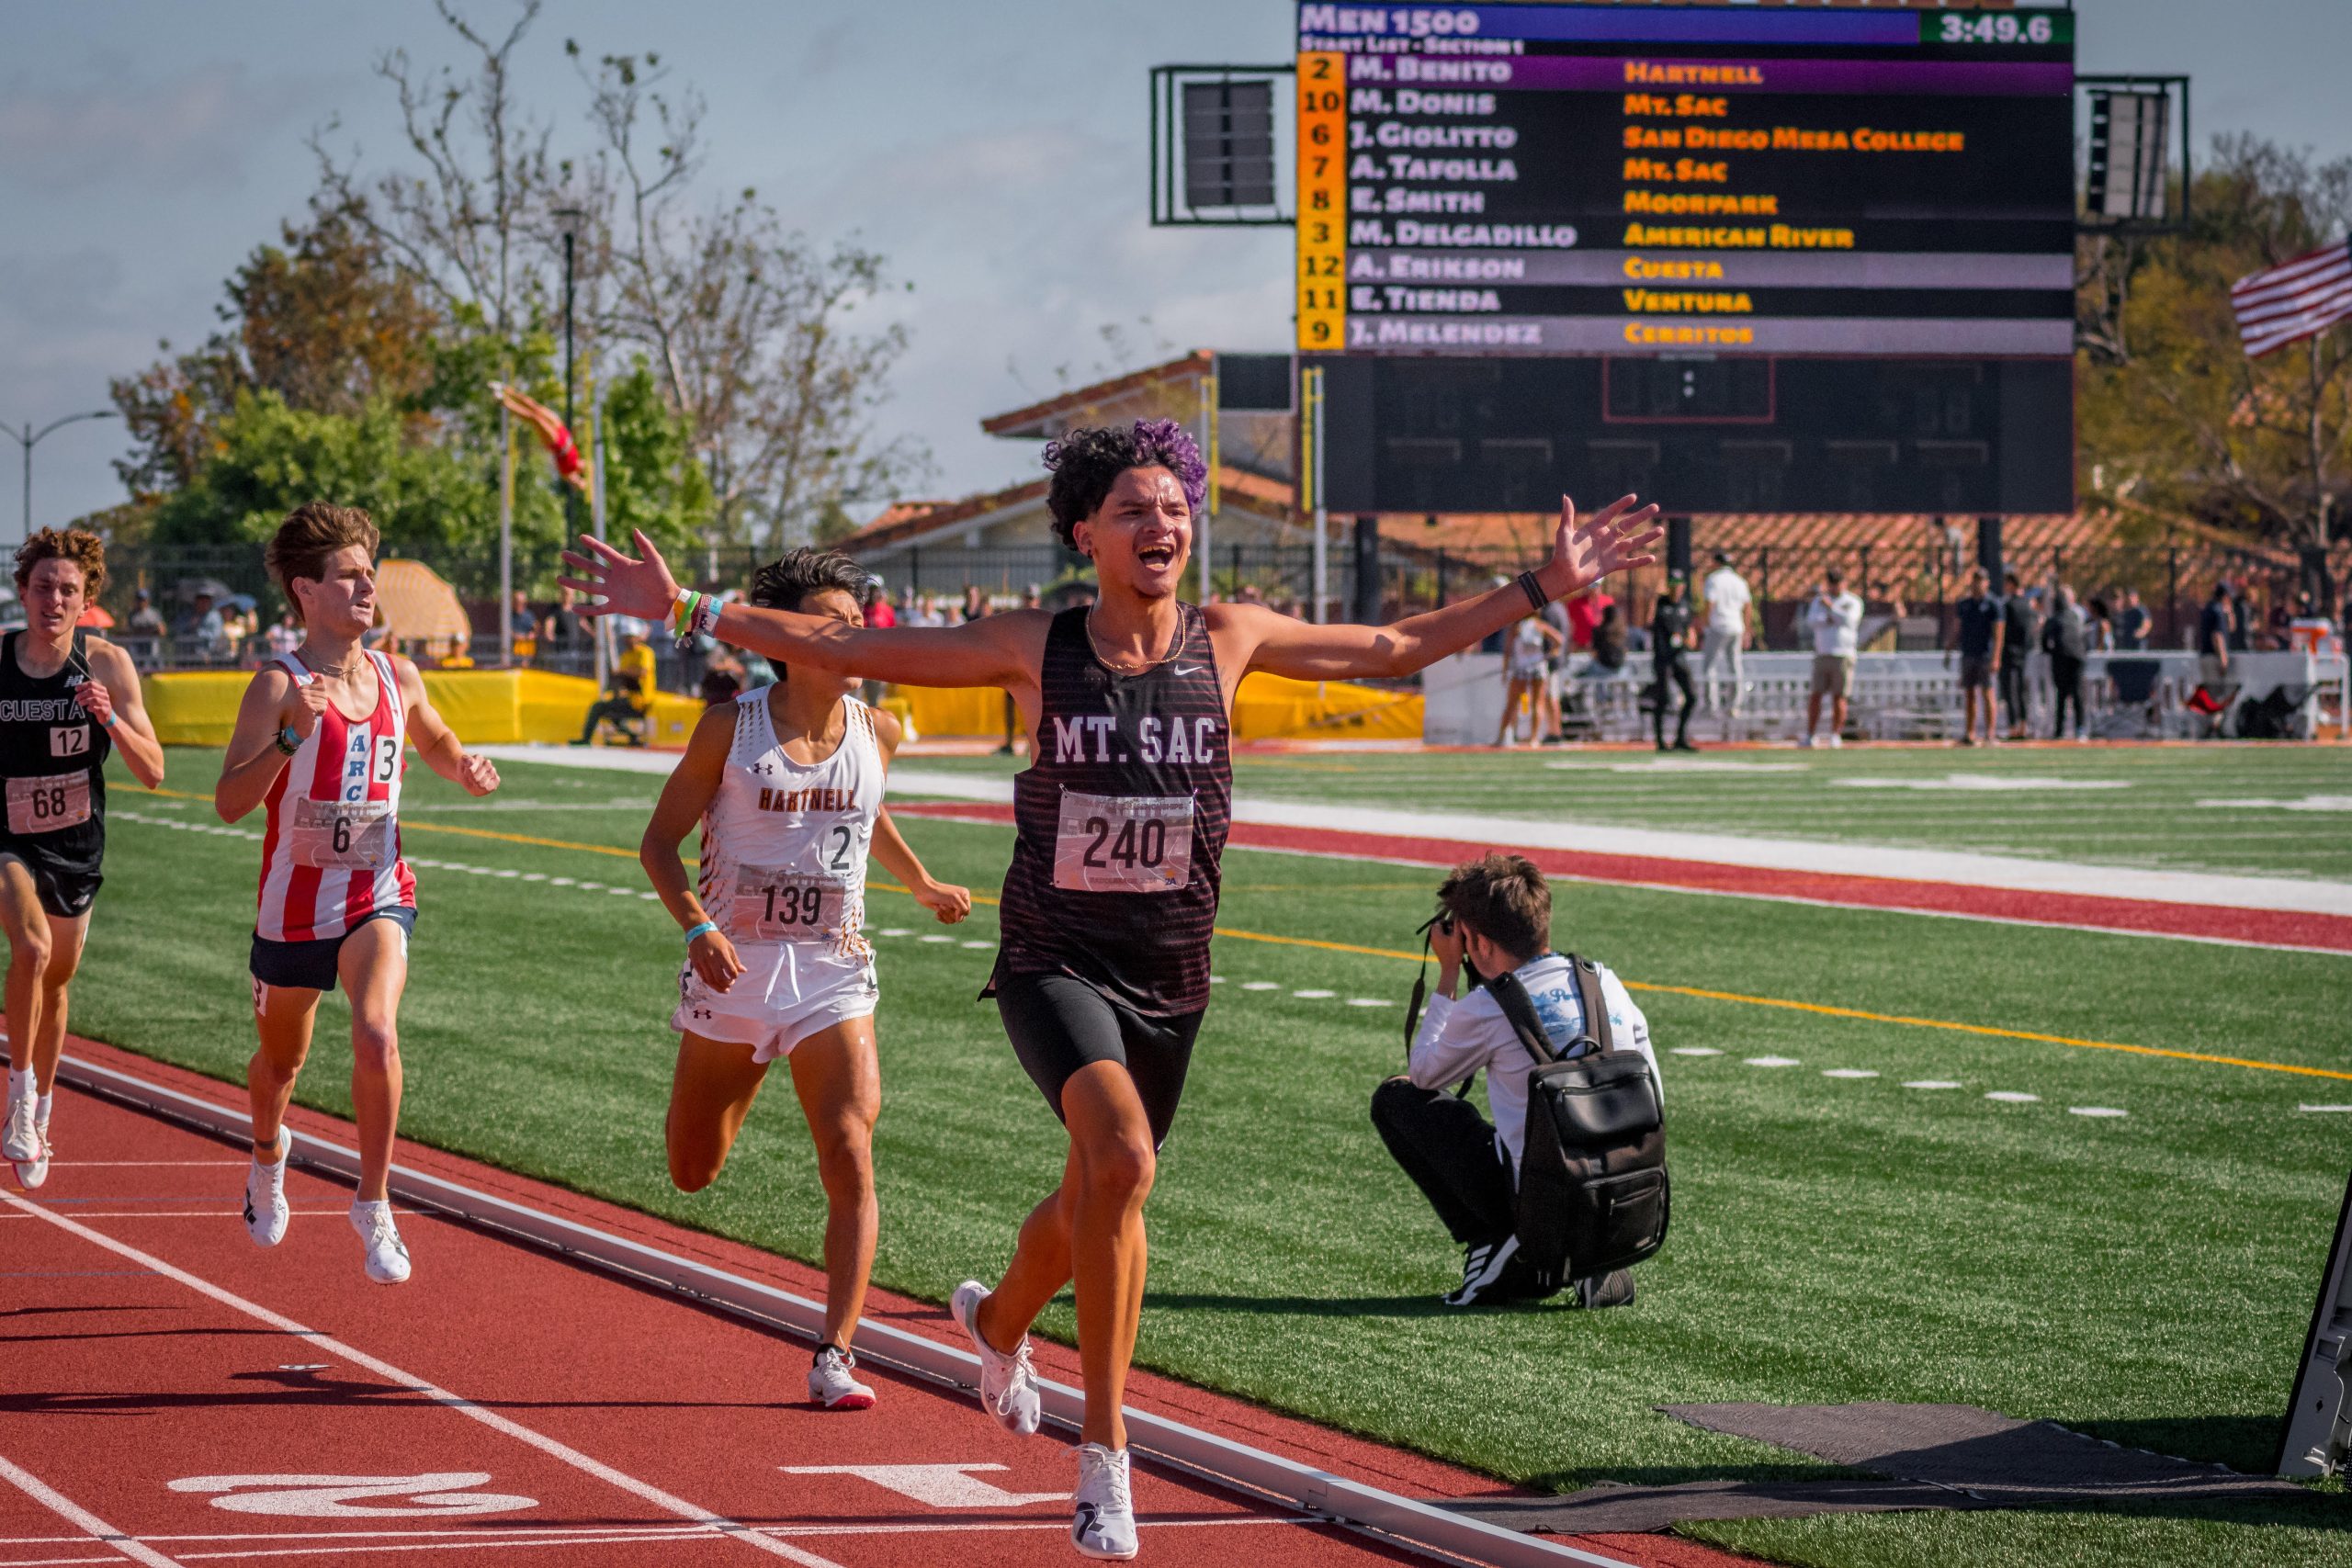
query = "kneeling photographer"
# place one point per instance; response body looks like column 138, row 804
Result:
column 1599, row 1176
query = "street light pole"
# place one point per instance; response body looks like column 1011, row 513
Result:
column 27, row 437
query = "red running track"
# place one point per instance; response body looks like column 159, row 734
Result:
column 171, row 1393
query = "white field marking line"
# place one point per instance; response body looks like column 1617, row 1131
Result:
column 463, row 1406
column 444, row 1546
column 2323, row 1108
column 1844, row 857
column 81, row 1519
column 423, row 862
column 194, row 1215
column 445, row 1532
column 1819, row 903
column 1224, row 1462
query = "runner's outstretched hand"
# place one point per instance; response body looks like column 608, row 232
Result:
column 944, row 899
column 1617, row 539
column 642, row 587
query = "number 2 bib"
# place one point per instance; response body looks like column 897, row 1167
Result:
column 49, row 805
column 1123, row 844
column 348, row 835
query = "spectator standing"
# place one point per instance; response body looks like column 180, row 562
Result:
column 2063, row 640
column 879, row 612
column 285, row 635
column 2131, row 623
column 2020, row 634
column 1670, row 633
column 1584, row 616
column 1977, row 629
column 523, row 623
column 2213, row 629
column 975, row 604
column 206, row 629
column 146, row 620
column 1531, row 640
column 1608, row 642
column 1834, row 617
column 2099, row 626
column 562, row 625
column 1730, row 606
column 2241, row 620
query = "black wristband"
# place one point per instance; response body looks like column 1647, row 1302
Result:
column 1535, row 594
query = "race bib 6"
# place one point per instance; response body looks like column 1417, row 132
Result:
column 48, row 805
column 348, row 835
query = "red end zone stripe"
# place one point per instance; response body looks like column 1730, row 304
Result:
column 2269, row 927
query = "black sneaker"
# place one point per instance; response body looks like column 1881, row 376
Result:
column 1482, row 1267
column 1613, row 1289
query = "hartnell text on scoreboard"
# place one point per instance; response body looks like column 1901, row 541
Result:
column 1582, row 179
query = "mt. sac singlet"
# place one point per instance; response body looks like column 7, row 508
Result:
column 1121, row 818
column 52, row 760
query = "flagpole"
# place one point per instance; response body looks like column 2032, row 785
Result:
column 596, row 518
column 505, row 537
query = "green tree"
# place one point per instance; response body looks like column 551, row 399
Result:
column 652, row 479
column 2174, row 421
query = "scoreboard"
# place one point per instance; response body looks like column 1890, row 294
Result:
column 1612, row 179
column 1776, row 259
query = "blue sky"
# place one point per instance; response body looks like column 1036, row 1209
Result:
column 995, row 153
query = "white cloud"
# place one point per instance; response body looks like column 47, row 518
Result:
column 191, row 130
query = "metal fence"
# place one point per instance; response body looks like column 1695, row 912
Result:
column 1909, row 589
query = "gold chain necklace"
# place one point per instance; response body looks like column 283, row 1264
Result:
column 1174, row 647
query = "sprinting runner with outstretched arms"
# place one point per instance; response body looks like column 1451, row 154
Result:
column 319, row 740
column 1102, row 973
column 66, row 699
column 787, row 784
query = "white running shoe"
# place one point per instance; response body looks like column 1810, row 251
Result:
column 1102, row 1520
column 387, row 1257
column 19, row 1138
column 1833, row 740
column 265, row 1210
column 1008, row 1384
column 31, row 1173
column 833, row 1382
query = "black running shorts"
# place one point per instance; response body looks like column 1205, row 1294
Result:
column 310, row 965
column 66, row 892
column 1059, row 1024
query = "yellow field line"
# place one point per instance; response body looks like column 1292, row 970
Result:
column 410, row 826
column 1821, row 1008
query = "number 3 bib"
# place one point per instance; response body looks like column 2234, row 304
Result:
column 1123, row 844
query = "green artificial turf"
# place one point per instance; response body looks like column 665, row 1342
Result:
column 2146, row 1278
column 2284, row 810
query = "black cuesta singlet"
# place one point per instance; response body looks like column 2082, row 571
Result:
column 52, row 767
column 1120, row 819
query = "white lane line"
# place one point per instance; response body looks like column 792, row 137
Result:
column 1372, row 1001
column 1774, row 1062
column 2013, row 1096
column 2323, row 1108
column 1260, row 985
column 2094, row 1110
column 95, row 1164
column 679, row 1533
column 1696, row 1051
column 1931, row 1083
column 1315, row 996
column 569, row 1455
column 81, row 1519
column 1848, row 1073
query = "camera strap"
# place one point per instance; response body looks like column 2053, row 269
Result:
column 1422, row 993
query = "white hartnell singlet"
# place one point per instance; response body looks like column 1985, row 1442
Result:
column 784, row 845
column 330, row 855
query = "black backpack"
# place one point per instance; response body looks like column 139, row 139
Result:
column 1592, row 1185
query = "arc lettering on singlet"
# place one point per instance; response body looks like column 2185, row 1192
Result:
column 331, row 851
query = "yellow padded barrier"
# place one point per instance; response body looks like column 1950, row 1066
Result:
column 200, row 708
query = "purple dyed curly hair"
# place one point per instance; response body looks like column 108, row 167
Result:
column 1087, row 462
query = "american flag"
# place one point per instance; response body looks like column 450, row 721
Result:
column 2293, row 300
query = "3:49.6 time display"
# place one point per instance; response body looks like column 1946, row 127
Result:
column 1955, row 27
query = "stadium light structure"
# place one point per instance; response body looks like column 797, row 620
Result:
column 26, row 437
column 1213, row 159
column 2127, row 178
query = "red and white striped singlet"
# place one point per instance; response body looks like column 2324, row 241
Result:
column 331, row 856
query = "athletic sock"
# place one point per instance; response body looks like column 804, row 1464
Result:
column 41, row 1110
column 21, row 1083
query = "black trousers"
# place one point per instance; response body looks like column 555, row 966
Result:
column 2011, row 679
column 620, row 710
column 2066, row 676
column 1679, row 673
column 1450, row 1152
